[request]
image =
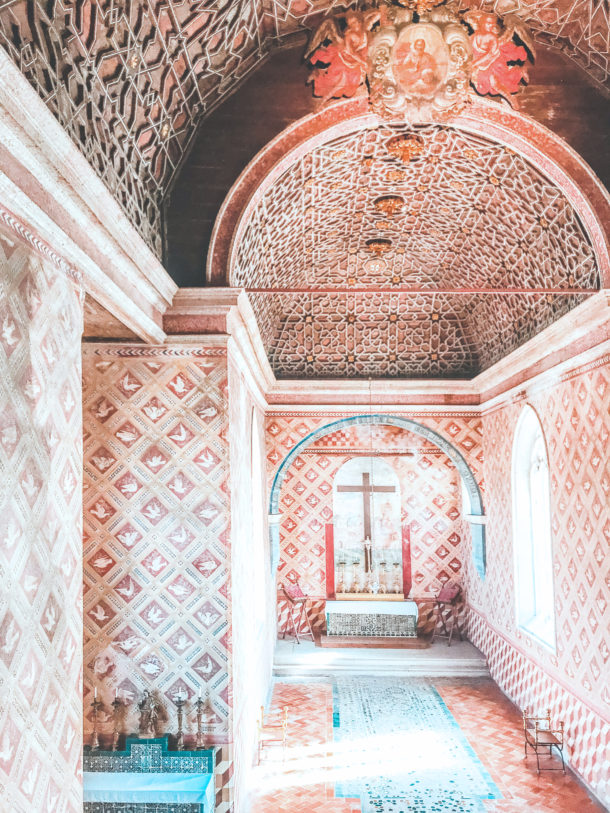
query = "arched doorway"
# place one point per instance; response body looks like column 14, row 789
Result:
column 476, row 515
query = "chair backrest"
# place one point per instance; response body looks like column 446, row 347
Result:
column 449, row 592
column 293, row 592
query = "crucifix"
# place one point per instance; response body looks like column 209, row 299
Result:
column 367, row 490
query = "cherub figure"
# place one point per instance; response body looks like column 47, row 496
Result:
column 493, row 48
column 339, row 68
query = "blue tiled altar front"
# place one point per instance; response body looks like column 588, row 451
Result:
column 147, row 756
column 415, row 758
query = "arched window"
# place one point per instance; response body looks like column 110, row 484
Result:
column 532, row 541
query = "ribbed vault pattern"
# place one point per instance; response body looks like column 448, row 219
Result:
column 478, row 258
column 131, row 81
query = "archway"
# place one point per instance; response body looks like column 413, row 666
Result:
column 476, row 517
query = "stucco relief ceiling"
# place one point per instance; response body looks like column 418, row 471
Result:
column 477, row 260
column 131, row 81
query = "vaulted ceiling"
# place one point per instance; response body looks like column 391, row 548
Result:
column 132, row 81
column 478, row 257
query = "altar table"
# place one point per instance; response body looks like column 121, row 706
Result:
column 142, row 788
column 392, row 619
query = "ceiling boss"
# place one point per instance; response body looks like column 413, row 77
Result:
column 419, row 58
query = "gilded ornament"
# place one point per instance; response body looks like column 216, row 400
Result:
column 378, row 245
column 383, row 225
column 419, row 61
column 389, row 204
column 406, row 147
column 419, row 6
column 395, row 175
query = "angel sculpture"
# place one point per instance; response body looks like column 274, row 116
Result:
column 339, row 67
column 492, row 51
column 149, row 715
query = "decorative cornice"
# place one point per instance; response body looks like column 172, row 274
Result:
column 48, row 185
column 114, row 350
column 40, row 246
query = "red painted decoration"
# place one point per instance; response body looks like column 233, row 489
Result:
column 330, row 560
column 406, row 559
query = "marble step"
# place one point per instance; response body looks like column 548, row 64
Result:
column 375, row 663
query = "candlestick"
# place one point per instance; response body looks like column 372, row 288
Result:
column 116, row 705
column 180, row 736
column 95, row 742
column 199, row 744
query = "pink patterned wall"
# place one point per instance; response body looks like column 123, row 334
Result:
column 156, row 529
column 430, row 495
column 573, row 680
column 251, row 583
column 40, row 529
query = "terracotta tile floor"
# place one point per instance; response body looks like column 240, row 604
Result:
column 300, row 782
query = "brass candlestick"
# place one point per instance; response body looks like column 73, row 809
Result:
column 199, row 744
column 179, row 701
column 95, row 740
column 116, row 705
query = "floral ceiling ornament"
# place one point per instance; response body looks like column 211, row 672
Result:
column 378, row 245
column 406, row 147
column 419, row 58
column 389, row 204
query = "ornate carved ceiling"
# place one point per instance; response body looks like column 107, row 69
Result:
column 478, row 257
column 130, row 81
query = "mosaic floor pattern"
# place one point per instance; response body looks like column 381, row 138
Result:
column 400, row 745
column 406, row 752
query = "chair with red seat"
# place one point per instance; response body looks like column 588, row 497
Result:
column 297, row 612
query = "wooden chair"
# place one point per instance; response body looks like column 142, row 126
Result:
column 539, row 734
column 297, row 612
column 272, row 733
column 446, row 611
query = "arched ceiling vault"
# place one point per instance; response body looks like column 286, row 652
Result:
column 485, row 253
column 131, row 81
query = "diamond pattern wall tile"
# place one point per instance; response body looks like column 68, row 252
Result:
column 40, row 548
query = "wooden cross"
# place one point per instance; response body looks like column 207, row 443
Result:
column 367, row 490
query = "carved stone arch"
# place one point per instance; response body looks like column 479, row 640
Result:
column 476, row 517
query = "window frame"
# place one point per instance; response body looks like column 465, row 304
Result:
column 532, row 532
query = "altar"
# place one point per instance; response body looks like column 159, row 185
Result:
column 372, row 618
